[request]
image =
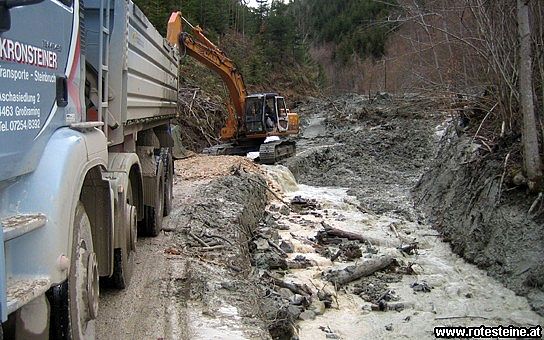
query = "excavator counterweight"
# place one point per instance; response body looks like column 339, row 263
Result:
column 251, row 118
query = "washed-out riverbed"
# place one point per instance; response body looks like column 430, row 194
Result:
column 458, row 293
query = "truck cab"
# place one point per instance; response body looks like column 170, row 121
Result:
column 87, row 94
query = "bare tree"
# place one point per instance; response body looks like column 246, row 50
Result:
column 531, row 154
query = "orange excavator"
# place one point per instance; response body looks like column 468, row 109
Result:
column 252, row 119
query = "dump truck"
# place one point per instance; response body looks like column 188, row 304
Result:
column 87, row 94
column 252, row 118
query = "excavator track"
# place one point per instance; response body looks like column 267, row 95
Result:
column 270, row 153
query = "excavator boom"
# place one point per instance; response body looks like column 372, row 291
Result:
column 206, row 52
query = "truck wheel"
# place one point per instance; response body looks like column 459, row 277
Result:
column 123, row 260
column 83, row 286
column 169, row 183
column 152, row 222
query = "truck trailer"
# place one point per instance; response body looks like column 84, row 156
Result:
column 88, row 90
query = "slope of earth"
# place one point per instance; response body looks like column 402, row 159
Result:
column 472, row 197
column 377, row 149
column 195, row 279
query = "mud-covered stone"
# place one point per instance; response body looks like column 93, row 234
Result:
column 318, row 307
column 307, row 315
column 287, row 246
column 294, row 311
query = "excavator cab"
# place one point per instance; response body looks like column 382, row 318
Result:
column 266, row 112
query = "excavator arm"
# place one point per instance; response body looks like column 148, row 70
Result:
column 202, row 49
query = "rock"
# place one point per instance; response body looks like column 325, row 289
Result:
column 326, row 296
column 286, row 293
column 519, row 179
column 287, row 246
column 299, row 262
column 294, row 311
column 284, row 210
column 269, row 260
column 297, row 299
column 262, row 244
column 389, row 327
column 274, row 207
column 228, row 285
column 282, row 226
column 307, row 315
column 318, row 307
column 351, row 250
column 421, row 287
column 332, row 336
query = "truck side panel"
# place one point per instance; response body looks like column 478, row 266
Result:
column 152, row 70
column 143, row 69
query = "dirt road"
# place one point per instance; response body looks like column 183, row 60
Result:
column 171, row 295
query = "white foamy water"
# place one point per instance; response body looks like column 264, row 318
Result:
column 462, row 294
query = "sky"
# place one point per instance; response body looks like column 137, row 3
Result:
column 253, row 3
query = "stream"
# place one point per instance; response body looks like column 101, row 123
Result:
column 447, row 291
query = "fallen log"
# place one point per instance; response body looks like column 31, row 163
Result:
column 332, row 235
column 344, row 275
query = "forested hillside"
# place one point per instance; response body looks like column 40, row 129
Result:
column 265, row 42
column 288, row 44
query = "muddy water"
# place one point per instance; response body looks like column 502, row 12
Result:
column 461, row 294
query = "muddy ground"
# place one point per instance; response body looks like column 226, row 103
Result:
column 492, row 221
column 248, row 253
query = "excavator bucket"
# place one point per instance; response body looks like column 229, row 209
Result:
column 175, row 27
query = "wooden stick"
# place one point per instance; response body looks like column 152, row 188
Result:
column 483, row 120
column 210, row 248
column 275, row 246
column 533, row 206
column 461, row 317
column 198, row 239
column 337, row 233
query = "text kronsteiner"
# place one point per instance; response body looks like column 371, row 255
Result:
column 19, row 52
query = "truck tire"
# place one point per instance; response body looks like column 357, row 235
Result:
column 169, row 183
column 74, row 304
column 123, row 258
column 151, row 225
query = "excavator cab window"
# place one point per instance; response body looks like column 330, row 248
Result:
column 254, row 115
column 270, row 114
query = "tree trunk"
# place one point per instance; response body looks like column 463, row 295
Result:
column 531, row 155
column 344, row 275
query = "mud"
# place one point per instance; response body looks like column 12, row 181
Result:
column 375, row 148
column 487, row 224
column 428, row 287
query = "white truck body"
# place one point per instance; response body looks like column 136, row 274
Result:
column 87, row 93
